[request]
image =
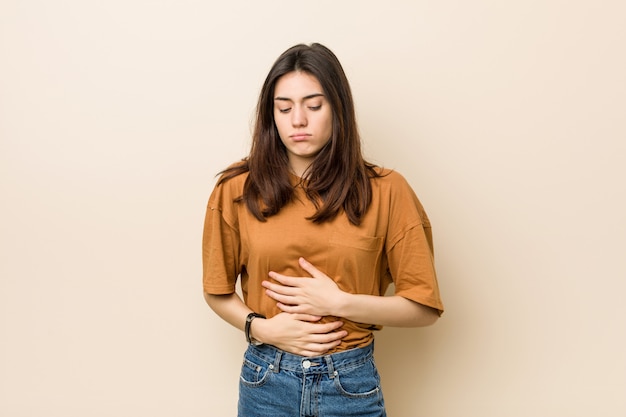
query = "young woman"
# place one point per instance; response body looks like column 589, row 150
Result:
column 316, row 234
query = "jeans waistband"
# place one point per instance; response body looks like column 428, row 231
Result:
column 315, row 364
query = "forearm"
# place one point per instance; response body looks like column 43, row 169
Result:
column 295, row 333
column 229, row 307
column 393, row 311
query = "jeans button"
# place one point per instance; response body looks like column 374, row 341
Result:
column 306, row 364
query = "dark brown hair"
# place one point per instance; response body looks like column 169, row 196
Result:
column 339, row 177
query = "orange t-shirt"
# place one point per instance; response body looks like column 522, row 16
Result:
column 393, row 243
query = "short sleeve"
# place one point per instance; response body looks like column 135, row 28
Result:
column 220, row 243
column 410, row 249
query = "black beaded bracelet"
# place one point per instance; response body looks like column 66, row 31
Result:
column 249, row 319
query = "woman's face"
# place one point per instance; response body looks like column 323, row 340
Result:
column 303, row 118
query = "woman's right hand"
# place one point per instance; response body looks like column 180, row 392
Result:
column 299, row 334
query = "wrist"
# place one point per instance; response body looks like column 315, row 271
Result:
column 343, row 305
column 250, row 336
column 258, row 330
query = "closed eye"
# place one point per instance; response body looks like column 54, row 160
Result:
column 284, row 110
column 315, row 108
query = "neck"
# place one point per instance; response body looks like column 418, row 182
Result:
column 299, row 168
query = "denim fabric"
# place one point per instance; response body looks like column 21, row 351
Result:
column 275, row 383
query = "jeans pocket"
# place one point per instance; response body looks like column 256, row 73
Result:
column 359, row 381
column 254, row 371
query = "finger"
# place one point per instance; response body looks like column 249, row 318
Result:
column 286, row 300
column 287, row 308
column 307, row 317
column 321, row 346
column 279, row 289
column 316, row 350
column 329, row 327
column 324, row 328
column 332, row 337
column 308, row 267
column 294, row 308
column 284, row 279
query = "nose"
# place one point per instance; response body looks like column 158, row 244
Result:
column 298, row 117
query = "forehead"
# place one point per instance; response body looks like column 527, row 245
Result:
column 297, row 84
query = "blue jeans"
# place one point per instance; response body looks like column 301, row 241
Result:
column 275, row 383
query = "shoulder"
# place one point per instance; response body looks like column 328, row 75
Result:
column 393, row 187
column 390, row 179
column 235, row 174
column 229, row 186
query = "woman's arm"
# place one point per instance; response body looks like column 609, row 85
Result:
column 321, row 296
column 295, row 333
column 395, row 311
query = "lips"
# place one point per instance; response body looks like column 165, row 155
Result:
column 297, row 137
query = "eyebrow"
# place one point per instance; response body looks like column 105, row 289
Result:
column 304, row 98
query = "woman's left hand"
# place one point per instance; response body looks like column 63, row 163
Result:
column 318, row 294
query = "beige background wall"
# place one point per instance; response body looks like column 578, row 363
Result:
column 506, row 117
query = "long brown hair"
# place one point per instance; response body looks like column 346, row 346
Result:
column 339, row 177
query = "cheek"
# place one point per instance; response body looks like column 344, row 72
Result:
column 329, row 126
column 280, row 127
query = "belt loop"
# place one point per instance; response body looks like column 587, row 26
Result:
column 279, row 355
column 331, row 368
